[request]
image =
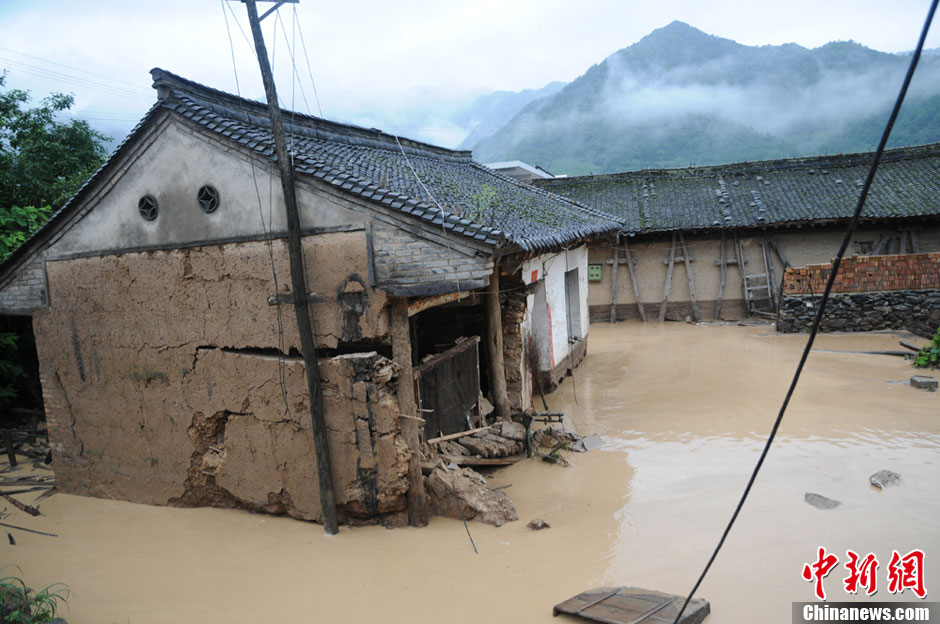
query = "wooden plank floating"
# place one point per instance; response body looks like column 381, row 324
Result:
column 632, row 605
column 21, row 506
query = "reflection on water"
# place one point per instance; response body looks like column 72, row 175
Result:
column 683, row 411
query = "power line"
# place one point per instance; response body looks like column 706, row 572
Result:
column 309, row 70
column 295, row 77
column 73, row 80
column 237, row 23
column 853, row 224
column 78, row 69
column 268, row 233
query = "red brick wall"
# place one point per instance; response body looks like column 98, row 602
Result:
column 867, row 274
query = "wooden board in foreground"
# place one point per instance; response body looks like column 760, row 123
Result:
column 632, row 605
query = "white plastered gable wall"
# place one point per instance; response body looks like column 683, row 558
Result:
column 558, row 309
column 171, row 161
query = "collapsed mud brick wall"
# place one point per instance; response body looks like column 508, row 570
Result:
column 870, row 292
column 169, row 379
column 513, row 308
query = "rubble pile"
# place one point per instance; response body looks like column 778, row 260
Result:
column 463, row 494
column 501, row 440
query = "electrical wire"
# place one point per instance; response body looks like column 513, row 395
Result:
column 295, row 77
column 307, row 59
column 825, row 297
column 61, row 77
column 237, row 23
column 269, row 236
column 439, row 207
column 453, row 485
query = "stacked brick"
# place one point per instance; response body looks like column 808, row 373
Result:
column 867, row 274
column 869, row 293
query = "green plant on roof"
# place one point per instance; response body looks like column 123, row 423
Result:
column 482, row 202
column 21, row 605
column 929, row 356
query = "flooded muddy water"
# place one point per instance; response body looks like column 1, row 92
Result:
column 683, row 411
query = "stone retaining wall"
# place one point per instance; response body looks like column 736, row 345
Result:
column 917, row 311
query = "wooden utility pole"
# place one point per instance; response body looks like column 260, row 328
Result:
column 298, row 279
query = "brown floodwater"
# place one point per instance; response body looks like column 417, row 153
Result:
column 683, row 411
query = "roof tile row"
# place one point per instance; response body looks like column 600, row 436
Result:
column 434, row 184
column 741, row 195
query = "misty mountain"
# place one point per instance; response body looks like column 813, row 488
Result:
column 681, row 97
column 488, row 113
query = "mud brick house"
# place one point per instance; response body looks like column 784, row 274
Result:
column 160, row 298
column 713, row 242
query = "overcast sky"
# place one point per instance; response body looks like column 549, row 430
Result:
column 387, row 55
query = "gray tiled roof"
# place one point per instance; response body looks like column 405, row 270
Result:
column 778, row 192
column 401, row 174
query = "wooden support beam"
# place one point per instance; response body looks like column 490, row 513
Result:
column 882, row 243
column 724, row 274
column 633, row 280
column 429, row 302
column 614, row 283
column 739, row 254
column 8, row 443
column 494, row 337
column 288, row 299
column 400, row 330
column 298, row 282
column 696, row 315
column 779, row 251
column 668, row 285
column 915, row 247
column 771, row 276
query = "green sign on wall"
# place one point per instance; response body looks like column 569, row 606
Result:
column 595, row 272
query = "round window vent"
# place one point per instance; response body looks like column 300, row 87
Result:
column 147, row 207
column 208, row 199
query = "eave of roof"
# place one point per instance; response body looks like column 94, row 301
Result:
column 437, row 185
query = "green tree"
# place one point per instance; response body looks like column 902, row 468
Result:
column 42, row 163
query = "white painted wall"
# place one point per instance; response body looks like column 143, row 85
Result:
column 172, row 169
column 548, row 320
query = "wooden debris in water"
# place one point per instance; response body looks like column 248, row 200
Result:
column 632, row 605
column 21, row 506
column 19, row 528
